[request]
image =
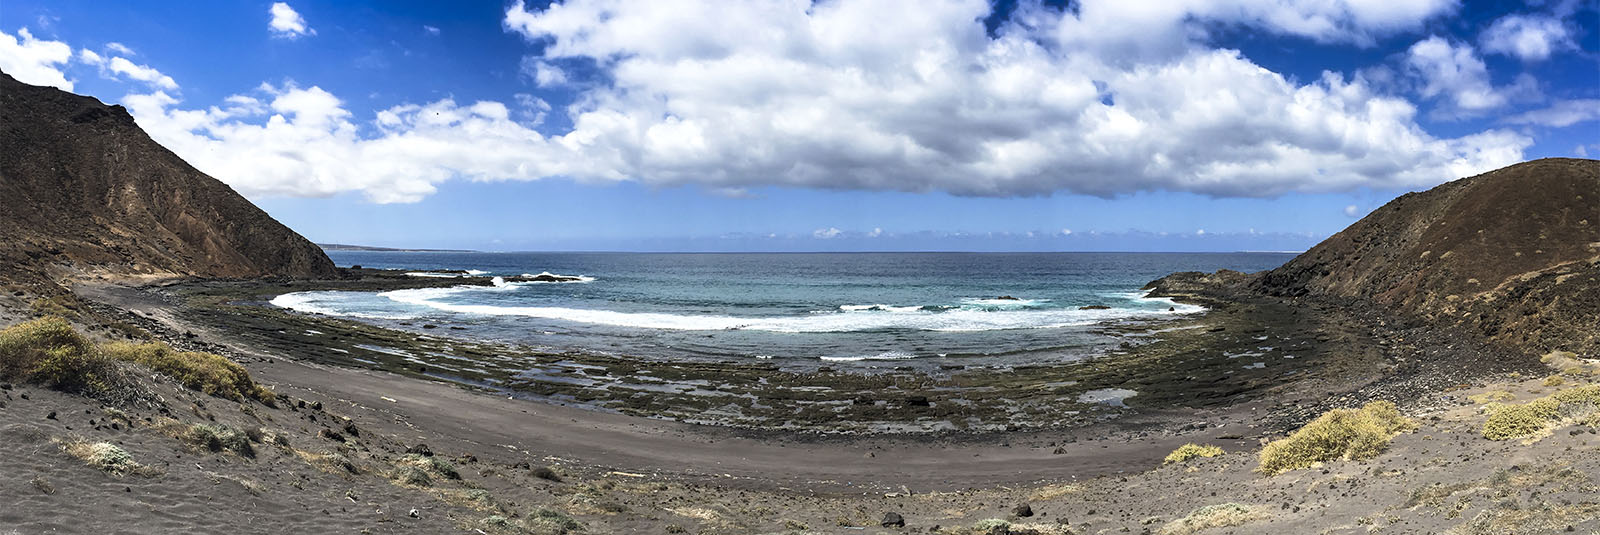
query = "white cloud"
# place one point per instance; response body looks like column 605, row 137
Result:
column 430, row 30
column 34, row 61
column 1560, row 114
column 142, row 73
column 732, row 96
column 543, row 73
column 89, row 56
column 827, row 96
column 1454, row 72
column 1529, row 37
column 876, row 231
column 826, row 233
column 1352, row 210
column 287, row 23
column 1066, row 232
column 307, row 144
column 120, row 49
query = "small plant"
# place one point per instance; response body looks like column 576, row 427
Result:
column 1347, row 434
column 411, row 475
column 1190, row 451
column 550, row 522
column 987, row 525
column 432, row 465
column 106, row 456
column 1214, row 516
column 219, row 438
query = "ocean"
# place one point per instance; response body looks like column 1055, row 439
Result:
column 823, row 308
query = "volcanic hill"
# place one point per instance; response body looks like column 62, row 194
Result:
column 1513, row 254
column 84, row 190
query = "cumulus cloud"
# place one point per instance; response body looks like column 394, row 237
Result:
column 120, row 49
column 34, row 61
column 1561, row 114
column 1453, row 73
column 303, row 142
column 827, row 96
column 1352, row 211
column 121, row 66
column 287, row 23
column 1529, row 37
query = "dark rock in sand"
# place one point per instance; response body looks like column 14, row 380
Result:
column 1022, row 511
column 420, row 449
column 893, row 520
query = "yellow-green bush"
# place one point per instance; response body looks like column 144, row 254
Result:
column 1347, row 434
column 49, row 352
column 205, row 372
column 1521, row 421
column 1192, row 450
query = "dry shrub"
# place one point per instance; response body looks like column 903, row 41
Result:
column 1192, row 450
column 106, row 456
column 1215, row 516
column 1572, row 405
column 1347, row 434
column 205, row 372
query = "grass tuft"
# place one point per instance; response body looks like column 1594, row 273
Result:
column 1214, row 516
column 106, row 456
column 550, row 522
column 219, row 438
column 1192, row 450
column 1347, row 434
column 432, row 465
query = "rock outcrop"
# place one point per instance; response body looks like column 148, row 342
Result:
column 83, row 188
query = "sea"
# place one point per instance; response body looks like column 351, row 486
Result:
column 821, row 308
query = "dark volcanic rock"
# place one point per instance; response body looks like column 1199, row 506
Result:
column 893, row 520
column 81, row 184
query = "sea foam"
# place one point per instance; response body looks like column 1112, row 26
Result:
column 849, row 318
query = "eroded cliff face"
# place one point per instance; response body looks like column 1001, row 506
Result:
column 82, row 187
column 1513, row 253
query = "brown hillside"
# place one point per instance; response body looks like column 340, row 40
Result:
column 82, row 185
column 1514, row 253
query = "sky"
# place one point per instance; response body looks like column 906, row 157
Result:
column 838, row 125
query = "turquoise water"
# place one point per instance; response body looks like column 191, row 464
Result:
column 822, row 307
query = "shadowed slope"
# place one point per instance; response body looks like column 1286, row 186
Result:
column 82, row 185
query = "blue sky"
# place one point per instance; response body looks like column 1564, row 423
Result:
column 843, row 125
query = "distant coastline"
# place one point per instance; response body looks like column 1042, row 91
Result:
column 346, row 247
